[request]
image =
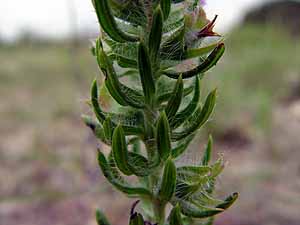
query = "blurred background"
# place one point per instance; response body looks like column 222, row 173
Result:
column 48, row 168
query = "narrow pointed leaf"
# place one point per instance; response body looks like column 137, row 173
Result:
column 176, row 98
column 229, row 201
column 155, row 33
column 208, row 151
column 181, row 148
column 210, row 61
column 146, row 74
column 200, row 117
column 136, row 148
column 183, row 115
column 96, row 128
column 108, row 128
column 217, row 167
column 207, row 199
column 201, row 51
column 166, row 8
column 108, row 23
column 184, row 190
column 168, row 95
column 168, row 183
column 123, row 95
column 175, row 216
column 123, row 61
column 94, row 99
column 139, row 165
column 199, row 171
column 120, row 151
column 163, row 137
column 116, row 182
column 195, row 211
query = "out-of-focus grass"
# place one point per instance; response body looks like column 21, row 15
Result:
column 260, row 68
column 42, row 82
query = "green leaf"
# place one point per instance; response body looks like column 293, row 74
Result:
column 123, row 95
column 155, row 33
column 123, row 61
column 210, row 61
column 217, row 167
column 200, row 51
column 96, row 128
column 127, row 50
column 145, row 69
column 120, row 151
column 166, row 8
column 108, row 23
column 114, row 179
column 168, row 183
column 139, row 165
column 197, row 211
column 188, row 179
column 163, row 137
column 207, row 199
column 229, row 201
column 199, row 117
column 175, row 216
column 122, row 119
column 94, row 99
column 181, row 148
column 191, row 171
column 136, row 145
column 183, row 115
column 175, row 101
column 185, row 191
column 208, row 151
column 166, row 95
column 108, row 128
column 101, row 218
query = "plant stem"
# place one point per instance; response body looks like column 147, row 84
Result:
column 159, row 211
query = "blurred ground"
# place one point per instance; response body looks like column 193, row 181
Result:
column 48, row 169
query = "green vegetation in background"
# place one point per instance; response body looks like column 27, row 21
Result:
column 259, row 71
